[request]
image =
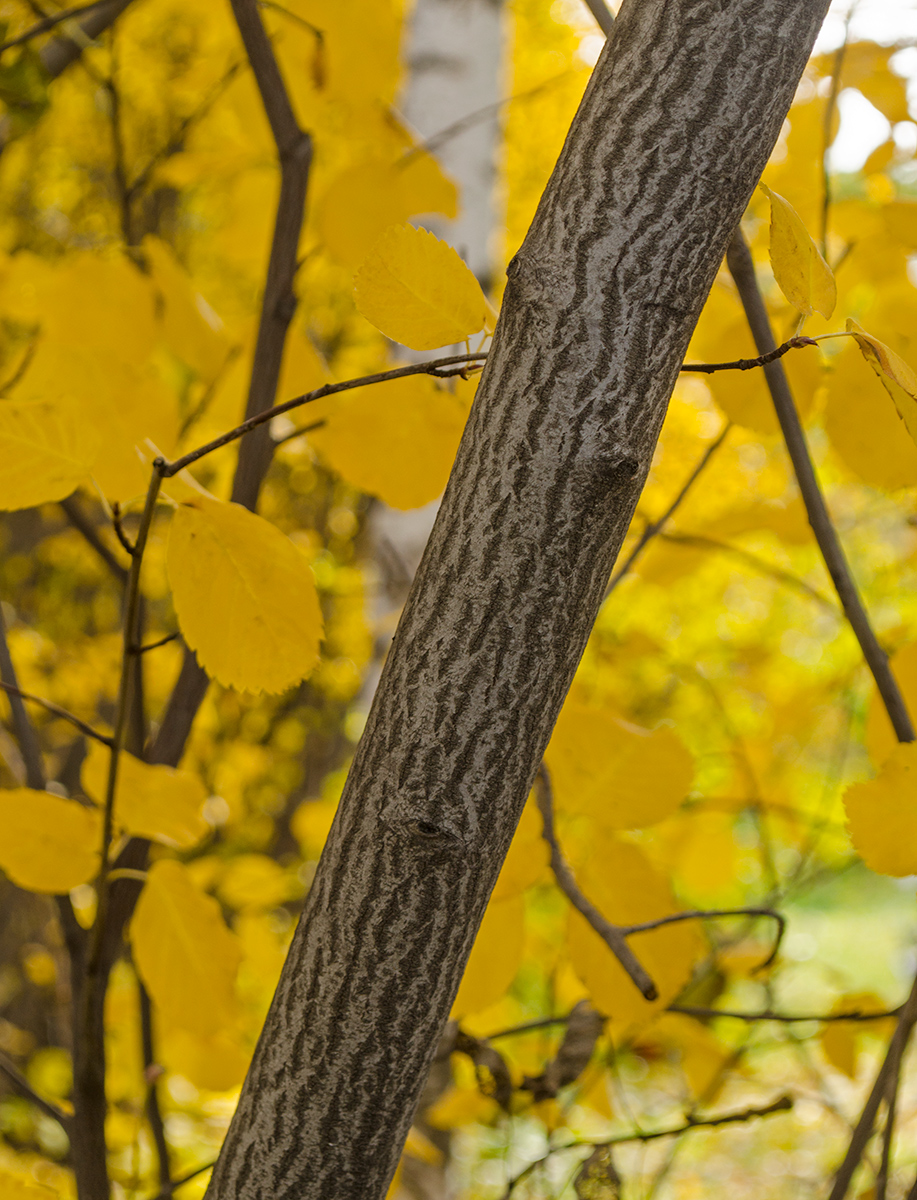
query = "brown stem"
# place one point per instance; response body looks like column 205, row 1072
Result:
column 62, row 51
column 294, row 148
column 84, row 525
column 767, row 1014
column 49, row 22
column 56, row 709
column 18, row 1081
column 708, row 914
column 612, row 935
column 151, row 1072
column 746, row 364
column 864, row 1127
column 26, row 736
column 742, row 269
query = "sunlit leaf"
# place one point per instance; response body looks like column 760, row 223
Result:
column 801, row 273
column 418, row 291
column 882, row 814
column 184, row 952
column 47, row 449
column 495, row 957
column 244, row 595
column 48, row 844
column 151, row 801
column 897, row 377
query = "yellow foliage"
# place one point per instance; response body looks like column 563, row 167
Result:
column 184, row 953
column 395, row 440
column 244, row 595
column 253, row 881
column 417, row 291
column 802, row 274
column 627, row 890
column 14, row 1187
column 898, row 378
column 622, row 776
column 495, row 957
column 189, row 326
column 47, row 450
column 882, row 814
column 49, row 844
column 215, row 1062
column 151, row 801
column 527, row 858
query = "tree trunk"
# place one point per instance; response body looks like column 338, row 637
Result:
column 676, row 125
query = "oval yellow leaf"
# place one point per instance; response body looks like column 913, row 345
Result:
column 47, row 448
column 184, row 952
column 244, row 595
column 417, row 291
column 151, row 800
column 801, row 273
column 882, row 814
column 49, row 844
column 395, row 440
column 622, row 776
column 495, row 957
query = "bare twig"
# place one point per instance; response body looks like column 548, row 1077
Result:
column 163, row 641
column 82, row 523
column 709, row 914
column 310, row 428
column 604, row 17
column 656, row 526
column 118, row 527
column 184, row 1179
column 888, row 1132
column 437, row 367
column 864, row 1127
column 26, row 736
column 151, row 1071
column 294, row 148
column 24, row 1088
column 746, row 364
column 48, row 23
column 783, row 1104
column 82, row 726
column 767, row 1014
column 742, row 269
column 612, row 935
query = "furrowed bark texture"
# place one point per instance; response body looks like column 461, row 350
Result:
column 675, row 128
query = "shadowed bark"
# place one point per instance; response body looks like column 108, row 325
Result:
column 676, row 125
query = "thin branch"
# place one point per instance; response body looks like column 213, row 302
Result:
column 288, row 437
column 24, row 1088
column 81, row 522
column 757, row 563
column 26, row 735
column 163, row 641
column 435, row 367
column 294, row 149
column 47, row 23
column 783, row 1104
column 888, row 1133
column 742, row 269
column 656, row 526
column 864, row 1127
column 151, row 1072
column 604, row 17
column 184, row 1179
column 118, row 527
column 59, row 53
column 56, row 709
column 708, row 914
column 612, row 935
column 746, row 364
column 830, row 108
column 768, row 1014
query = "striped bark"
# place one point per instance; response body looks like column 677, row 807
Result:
column 676, row 125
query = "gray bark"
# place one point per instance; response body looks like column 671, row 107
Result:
column 676, row 125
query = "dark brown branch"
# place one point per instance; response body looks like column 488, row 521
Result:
column 783, row 1104
column 888, row 1133
column 26, row 736
column 604, row 17
column 58, row 54
column 118, row 527
column 82, row 523
column 184, row 1179
column 163, row 641
column 435, row 367
column 742, row 269
column 656, row 526
column 48, row 23
column 294, row 148
column 746, row 364
column 864, row 1127
column 151, row 1072
column 56, row 709
column 612, row 935
column 768, row 1014
column 24, row 1088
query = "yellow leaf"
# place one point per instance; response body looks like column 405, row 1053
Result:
column 462, row 1106
column 101, row 304
column 419, row 1146
column 882, row 814
column 244, row 595
column 801, row 273
column 12, row 1187
column 215, row 1062
column 864, row 427
column 47, row 449
column 622, row 776
column 395, row 440
column 151, row 800
column 253, row 881
column 185, row 955
column 628, row 890
column 417, row 290
column 898, row 378
column 839, row 1042
column 190, row 328
column 527, row 858
column 48, row 844
column 495, row 957
column 364, row 200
